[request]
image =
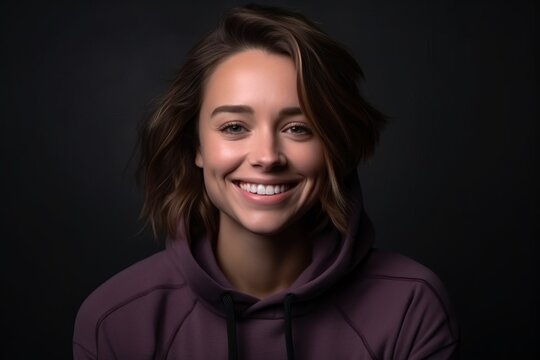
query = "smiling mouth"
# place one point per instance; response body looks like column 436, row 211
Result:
column 263, row 189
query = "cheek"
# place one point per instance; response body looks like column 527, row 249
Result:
column 219, row 157
column 309, row 160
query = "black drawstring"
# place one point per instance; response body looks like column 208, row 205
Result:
column 288, row 326
column 231, row 326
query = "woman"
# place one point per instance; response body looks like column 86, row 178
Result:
column 249, row 166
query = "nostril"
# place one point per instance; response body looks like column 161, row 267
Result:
column 269, row 161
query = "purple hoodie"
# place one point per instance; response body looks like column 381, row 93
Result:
column 351, row 302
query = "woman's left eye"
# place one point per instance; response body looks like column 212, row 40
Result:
column 298, row 130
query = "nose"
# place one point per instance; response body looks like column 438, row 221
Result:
column 266, row 153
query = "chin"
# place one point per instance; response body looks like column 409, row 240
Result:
column 266, row 228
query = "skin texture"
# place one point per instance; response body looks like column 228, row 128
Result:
column 252, row 131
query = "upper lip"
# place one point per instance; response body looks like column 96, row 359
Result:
column 267, row 181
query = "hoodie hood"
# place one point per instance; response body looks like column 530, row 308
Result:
column 333, row 256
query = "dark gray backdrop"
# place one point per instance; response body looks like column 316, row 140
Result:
column 453, row 183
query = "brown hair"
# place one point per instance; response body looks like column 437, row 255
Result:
column 328, row 78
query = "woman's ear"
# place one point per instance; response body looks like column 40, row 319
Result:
column 198, row 158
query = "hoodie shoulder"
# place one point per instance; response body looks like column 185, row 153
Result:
column 135, row 296
column 400, row 309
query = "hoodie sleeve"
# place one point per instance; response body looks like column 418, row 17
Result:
column 400, row 310
column 84, row 342
column 428, row 329
column 80, row 353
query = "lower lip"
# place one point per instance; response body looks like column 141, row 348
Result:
column 265, row 199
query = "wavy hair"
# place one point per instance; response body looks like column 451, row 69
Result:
column 328, row 80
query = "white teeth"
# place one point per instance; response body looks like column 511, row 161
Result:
column 261, row 189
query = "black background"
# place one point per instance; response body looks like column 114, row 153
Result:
column 454, row 183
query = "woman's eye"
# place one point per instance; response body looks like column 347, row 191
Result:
column 232, row 128
column 299, row 130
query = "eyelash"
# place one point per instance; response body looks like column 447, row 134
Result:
column 227, row 128
column 305, row 130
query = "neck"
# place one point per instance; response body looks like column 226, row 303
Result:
column 261, row 265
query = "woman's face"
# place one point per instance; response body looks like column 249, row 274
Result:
column 262, row 162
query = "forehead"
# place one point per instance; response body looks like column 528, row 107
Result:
column 252, row 77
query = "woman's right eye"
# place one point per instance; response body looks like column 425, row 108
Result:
column 232, row 128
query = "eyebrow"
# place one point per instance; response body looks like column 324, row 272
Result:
column 237, row 109
column 244, row 109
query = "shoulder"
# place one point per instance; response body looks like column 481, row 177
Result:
column 153, row 274
column 395, row 276
column 399, row 269
column 145, row 285
column 396, row 303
